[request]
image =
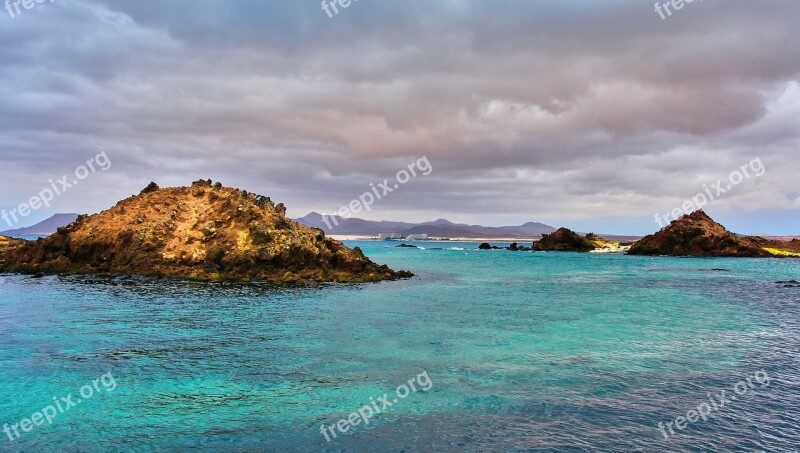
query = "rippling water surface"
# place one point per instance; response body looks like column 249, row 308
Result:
column 525, row 352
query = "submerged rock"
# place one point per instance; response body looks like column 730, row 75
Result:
column 789, row 283
column 202, row 232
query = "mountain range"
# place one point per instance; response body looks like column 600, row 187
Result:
column 436, row 228
column 361, row 227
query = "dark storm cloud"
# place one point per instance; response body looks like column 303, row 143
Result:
column 547, row 110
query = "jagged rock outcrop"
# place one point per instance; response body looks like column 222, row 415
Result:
column 203, row 232
column 514, row 247
column 7, row 243
column 697, row 234
column 564, row 240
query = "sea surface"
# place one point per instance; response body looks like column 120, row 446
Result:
column 522, row 352
column 29, row 237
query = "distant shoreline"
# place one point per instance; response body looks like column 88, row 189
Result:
column 352, row 237
column 356, row 237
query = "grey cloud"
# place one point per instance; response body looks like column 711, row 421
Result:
column 522, row 106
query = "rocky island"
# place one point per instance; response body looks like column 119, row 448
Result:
column 204, row 232
column 696, row 234
column 566, row 240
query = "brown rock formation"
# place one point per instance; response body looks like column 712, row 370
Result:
column 9, row 243
column 697, row 234
column 563, row 240
column 202, row 232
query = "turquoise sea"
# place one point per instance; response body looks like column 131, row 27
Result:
column 524, row 352
column 29, row 237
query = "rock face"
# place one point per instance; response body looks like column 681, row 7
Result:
column 514, row 247
column 9, row 243
column 202, row 232
column 697, row 234
column 564, row 240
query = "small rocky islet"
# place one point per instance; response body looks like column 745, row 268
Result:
column 696, row 234
column 565, row 240
column 205, row 232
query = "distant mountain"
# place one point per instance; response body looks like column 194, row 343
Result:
column 436, row 228
column 441, row 222
column 43, row 228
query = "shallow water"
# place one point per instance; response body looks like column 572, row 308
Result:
column 524, row 351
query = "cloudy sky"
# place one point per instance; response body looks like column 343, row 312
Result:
column 590, row 114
